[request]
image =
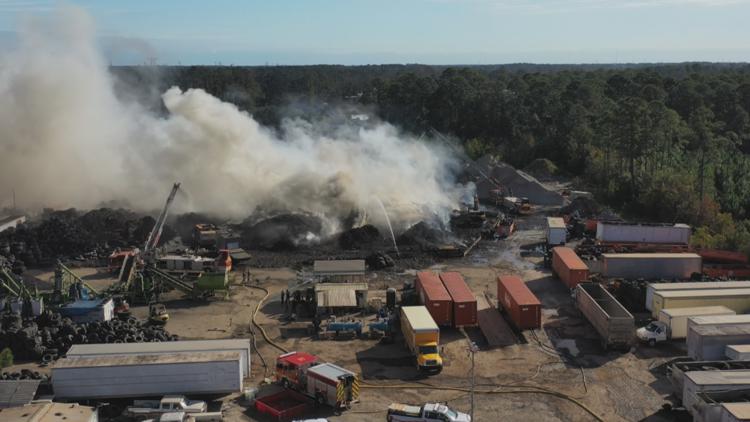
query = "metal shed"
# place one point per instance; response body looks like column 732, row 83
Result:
column 167, row 347
column 341, row 295
column 339, row 271
column 17, row 392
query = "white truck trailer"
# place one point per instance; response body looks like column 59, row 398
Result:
column 557, row 231
column 106, row 377
column 672, row 323
column 429, row 412
column 698, row 285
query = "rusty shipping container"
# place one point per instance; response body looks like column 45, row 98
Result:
column 434, row 297
column 568, row 266
column 519, row 302
column 464, row 302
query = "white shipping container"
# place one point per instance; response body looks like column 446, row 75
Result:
column 709, row 342
column 700, row 381
column 719, row 320
column 557, row 232
column 612, row 232
column 676, row 319
column 678, row 266
column 107, row 377
column 738, row 352
column 735, row 412
column 166, row 347
column 699, row 285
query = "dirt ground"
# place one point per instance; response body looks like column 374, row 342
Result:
column 549, row 376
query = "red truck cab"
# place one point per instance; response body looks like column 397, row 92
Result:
column 291, row 369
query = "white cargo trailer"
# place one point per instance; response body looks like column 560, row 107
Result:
column 738, row 352
column 106, row 377
column 700, row 285
column 708, row 381
column 737, row 300
column 614, row 232
column 735, row 412
column 709, row 342
column 719, row 320
column 557, row 232
column 166, row 348
column 671, row 266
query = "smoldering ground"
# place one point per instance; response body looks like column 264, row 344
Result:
column 69, row 140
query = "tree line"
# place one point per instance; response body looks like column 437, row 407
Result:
column 663, row 143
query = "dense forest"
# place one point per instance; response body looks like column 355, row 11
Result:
column 662, row 143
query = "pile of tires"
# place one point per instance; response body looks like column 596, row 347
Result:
column 49, row 336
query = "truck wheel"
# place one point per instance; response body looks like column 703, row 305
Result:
column 285, row 383
column 320, row 399
column 652, row 342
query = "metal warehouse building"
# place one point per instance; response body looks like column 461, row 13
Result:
column 339, row 271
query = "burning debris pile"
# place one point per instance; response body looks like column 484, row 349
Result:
column 433, row 240
column 360, row 237
column 49, row 335
column 282, row 232
column 72, row 233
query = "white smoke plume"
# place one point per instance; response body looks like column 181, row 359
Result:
column 68, row 141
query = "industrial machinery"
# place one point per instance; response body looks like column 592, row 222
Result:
column 157, row 314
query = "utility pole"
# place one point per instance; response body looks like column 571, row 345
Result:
column 472, row 350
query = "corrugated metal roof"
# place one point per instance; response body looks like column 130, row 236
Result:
column 735, row 377
column 17, row 392
column 339, row 267
column 419, row 317
column 556, row 223
column 651, row 256
column 457, row 287
column 320, row 287
column 740, row 411
column 432, row 286
column 703, row 293
column 698, row 310
column 330, row 371
column 49, row 412
column 159, row 347
column 133, row 360
column 344, row 298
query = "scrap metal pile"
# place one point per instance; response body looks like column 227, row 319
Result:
column 49, row 335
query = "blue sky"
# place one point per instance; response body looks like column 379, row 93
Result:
column 411, row 31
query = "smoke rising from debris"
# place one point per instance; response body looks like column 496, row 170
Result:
column 68, row 141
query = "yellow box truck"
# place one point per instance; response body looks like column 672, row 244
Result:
column 422, row 337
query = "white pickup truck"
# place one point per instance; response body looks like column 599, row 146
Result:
column 168, row 404
column 188, row 417
column 429, row 412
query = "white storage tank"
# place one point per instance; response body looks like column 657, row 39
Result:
column 557, row 232
column 106, row 377
column 676, row 266
column 614, row 232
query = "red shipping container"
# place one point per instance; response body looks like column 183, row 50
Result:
column 464, row 302
column 519, row 303
column 569, row 267
column 434, row 297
